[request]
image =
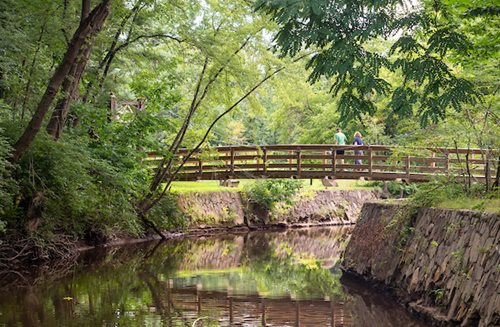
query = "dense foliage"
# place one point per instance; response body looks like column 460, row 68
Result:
column 87, row 87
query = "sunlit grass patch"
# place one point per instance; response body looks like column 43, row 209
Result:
column 211, row 186
column 488, row 205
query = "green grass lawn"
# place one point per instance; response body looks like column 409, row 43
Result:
column 210, row 186
column 489, row 205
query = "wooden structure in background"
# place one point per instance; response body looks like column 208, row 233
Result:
column 323, row 161
column 119, row 107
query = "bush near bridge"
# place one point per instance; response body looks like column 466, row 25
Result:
column 267, row 193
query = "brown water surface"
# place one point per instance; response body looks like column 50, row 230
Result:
column 288, row 278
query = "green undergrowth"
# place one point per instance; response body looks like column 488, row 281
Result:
column 75, row 186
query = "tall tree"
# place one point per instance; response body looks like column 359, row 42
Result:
column 87, row 28
column 70, row 85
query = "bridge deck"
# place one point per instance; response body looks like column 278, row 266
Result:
column 332, row 161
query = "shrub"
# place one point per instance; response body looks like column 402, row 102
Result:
column 267, row 192
column 167, row 215
column 79, row 193
column 8, row 185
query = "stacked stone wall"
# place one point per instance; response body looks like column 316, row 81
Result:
column 208, row 210
column 445, row 265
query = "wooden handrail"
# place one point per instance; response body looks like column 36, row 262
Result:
column 324, row 160
column 292, row 147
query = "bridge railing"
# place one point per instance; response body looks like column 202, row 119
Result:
column 323, row 160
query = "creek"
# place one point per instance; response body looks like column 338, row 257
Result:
column 286, row 278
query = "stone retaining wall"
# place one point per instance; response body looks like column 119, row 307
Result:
column 212, row 209
column 445, row 266
column 325, row 207
column 228, row 210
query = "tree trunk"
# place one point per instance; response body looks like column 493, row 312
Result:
column 90, row 25
column 70, row 90
column 71, row 83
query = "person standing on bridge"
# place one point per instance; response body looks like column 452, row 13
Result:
column 358, row 141
column 340, row 139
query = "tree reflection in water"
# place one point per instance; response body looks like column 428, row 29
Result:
column 274, row 279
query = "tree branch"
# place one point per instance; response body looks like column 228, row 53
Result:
column 197, row 147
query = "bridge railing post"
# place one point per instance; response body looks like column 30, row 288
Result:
column 200, row 168
column 232, row 161
column 407, row 168
column 324, row 160
column 370, row 161
column 334, row 160
column 264, row 161
column 299, row 162
column 447, row 162
column 257, row 158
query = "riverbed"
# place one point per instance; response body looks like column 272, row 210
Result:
column 286, row 278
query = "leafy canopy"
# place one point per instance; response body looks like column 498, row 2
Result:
column 339, row 33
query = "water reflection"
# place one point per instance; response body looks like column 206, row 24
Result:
column 257, row 279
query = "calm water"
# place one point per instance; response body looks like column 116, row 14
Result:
column 259, row 279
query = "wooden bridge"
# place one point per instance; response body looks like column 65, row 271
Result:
column 334, row 161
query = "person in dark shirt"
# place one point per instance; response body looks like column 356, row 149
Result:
column 358, row 141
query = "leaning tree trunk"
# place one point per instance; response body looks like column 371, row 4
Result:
column 89, row 26
column 70, row 90
column 71, row 82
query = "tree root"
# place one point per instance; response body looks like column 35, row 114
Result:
column 23, row 259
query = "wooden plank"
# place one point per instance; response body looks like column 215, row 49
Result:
column 269, row 167
column 306, row 175
column 471, row 161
